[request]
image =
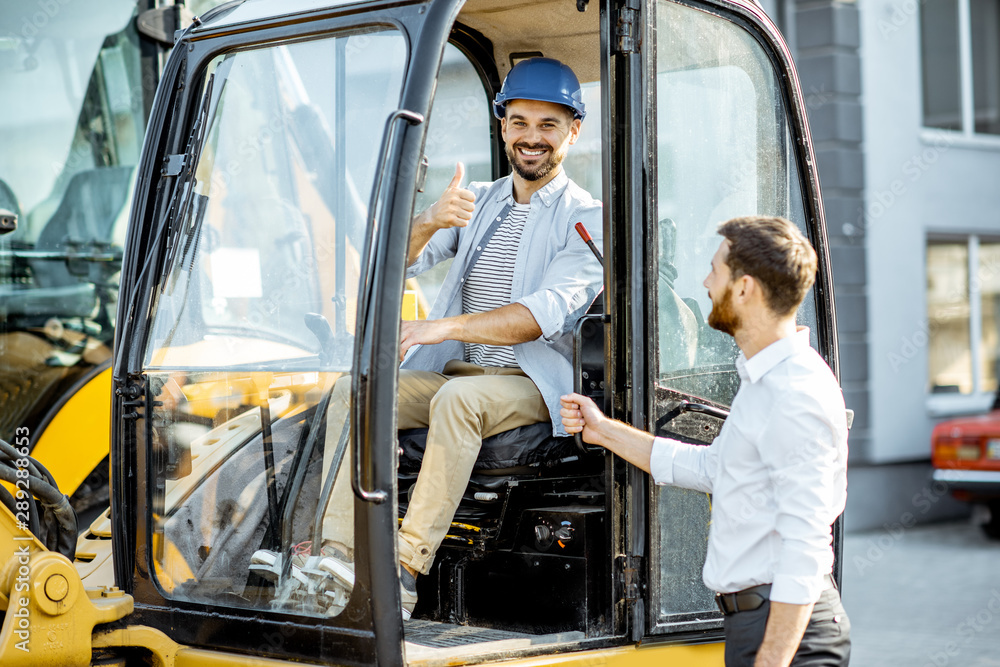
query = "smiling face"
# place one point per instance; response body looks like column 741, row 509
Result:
column 537, row 136
column 719, row 283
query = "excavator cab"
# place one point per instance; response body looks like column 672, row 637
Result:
column 290, row 145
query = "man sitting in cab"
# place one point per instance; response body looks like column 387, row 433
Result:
column 495, row 351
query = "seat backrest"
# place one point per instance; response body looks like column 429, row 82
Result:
column 86, row 216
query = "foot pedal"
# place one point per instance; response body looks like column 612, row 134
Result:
column 266, row 564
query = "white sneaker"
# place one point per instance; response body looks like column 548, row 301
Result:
column 267, row 564
column 329, row 575
column 407, row 592
column 331, row 565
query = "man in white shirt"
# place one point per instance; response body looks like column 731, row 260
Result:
column 778, row 468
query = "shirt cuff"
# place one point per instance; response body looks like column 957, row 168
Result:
column 661, row 461
column 418, row 266
column 535, row 303
column 797, row 589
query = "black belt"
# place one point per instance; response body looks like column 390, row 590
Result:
column 746, row 600
column 751, row 598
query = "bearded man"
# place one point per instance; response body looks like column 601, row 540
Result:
column 778, row 468
column 496, row 350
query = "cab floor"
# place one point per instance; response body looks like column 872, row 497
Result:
column 430, row 641
column 434, row 634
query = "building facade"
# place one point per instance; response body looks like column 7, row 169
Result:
column 904, row 105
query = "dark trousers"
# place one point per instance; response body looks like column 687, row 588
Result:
column 826, row 642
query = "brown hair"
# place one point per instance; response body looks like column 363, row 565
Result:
column 775, row 253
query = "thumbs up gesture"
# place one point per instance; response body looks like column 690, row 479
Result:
column 455, row 206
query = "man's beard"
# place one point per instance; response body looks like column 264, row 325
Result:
column 723, row 318
column 538, row 171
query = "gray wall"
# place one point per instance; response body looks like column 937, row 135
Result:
column 827, row 41
column 887, row 183
column 918, row 182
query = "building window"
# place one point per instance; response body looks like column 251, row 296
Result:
column 963, row 312
column 960, row 51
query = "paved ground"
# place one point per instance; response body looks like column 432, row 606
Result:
column 924, row 596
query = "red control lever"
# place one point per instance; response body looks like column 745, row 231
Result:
column 585, row 235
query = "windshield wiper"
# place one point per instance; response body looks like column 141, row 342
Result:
column 183, row 173
column 177, row 211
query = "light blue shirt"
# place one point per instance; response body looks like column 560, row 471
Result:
column 777, row 472
column 556, row 277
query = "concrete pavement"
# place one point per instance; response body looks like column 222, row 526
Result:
column 923, row 596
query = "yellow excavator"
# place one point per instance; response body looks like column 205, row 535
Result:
column 262, row 257
column 78, row 80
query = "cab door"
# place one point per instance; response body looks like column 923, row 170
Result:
column 273, row 209
column 726, row 136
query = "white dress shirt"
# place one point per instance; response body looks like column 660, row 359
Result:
column 777, row 472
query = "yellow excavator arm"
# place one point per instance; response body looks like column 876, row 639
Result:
column 49, row 616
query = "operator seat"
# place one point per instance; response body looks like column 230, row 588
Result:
column 525, row 452
column 84, row 221
column 523, row 551
column 523, row 449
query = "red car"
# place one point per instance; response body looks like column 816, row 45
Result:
column 965, row 453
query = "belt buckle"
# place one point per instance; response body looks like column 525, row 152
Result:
column 721, row 605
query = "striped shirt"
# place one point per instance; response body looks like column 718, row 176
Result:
column 488, row 285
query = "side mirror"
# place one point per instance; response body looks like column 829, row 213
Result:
column 8, row 221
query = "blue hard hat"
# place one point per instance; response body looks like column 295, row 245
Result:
column 544, row 80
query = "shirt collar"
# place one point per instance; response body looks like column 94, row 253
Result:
column 548, row 195
column 757, row 366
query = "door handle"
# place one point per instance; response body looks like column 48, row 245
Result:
column 362, row 353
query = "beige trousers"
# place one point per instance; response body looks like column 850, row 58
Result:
column 459, row 407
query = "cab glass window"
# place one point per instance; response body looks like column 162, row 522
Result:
column 70, row 131
column 255, row 317
column 458, row 130
column 723, row 149
column 583, row 161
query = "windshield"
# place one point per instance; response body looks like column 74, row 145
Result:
column 71, row 130
column 274, row 219
column 255, row 314
column 72, row 101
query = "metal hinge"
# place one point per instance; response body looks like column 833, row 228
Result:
column 132, row 398
column 174, row 165
column 629, row 572
column 629, row 569
column 627, row 31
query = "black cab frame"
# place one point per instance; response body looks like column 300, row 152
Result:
column 290, row 145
